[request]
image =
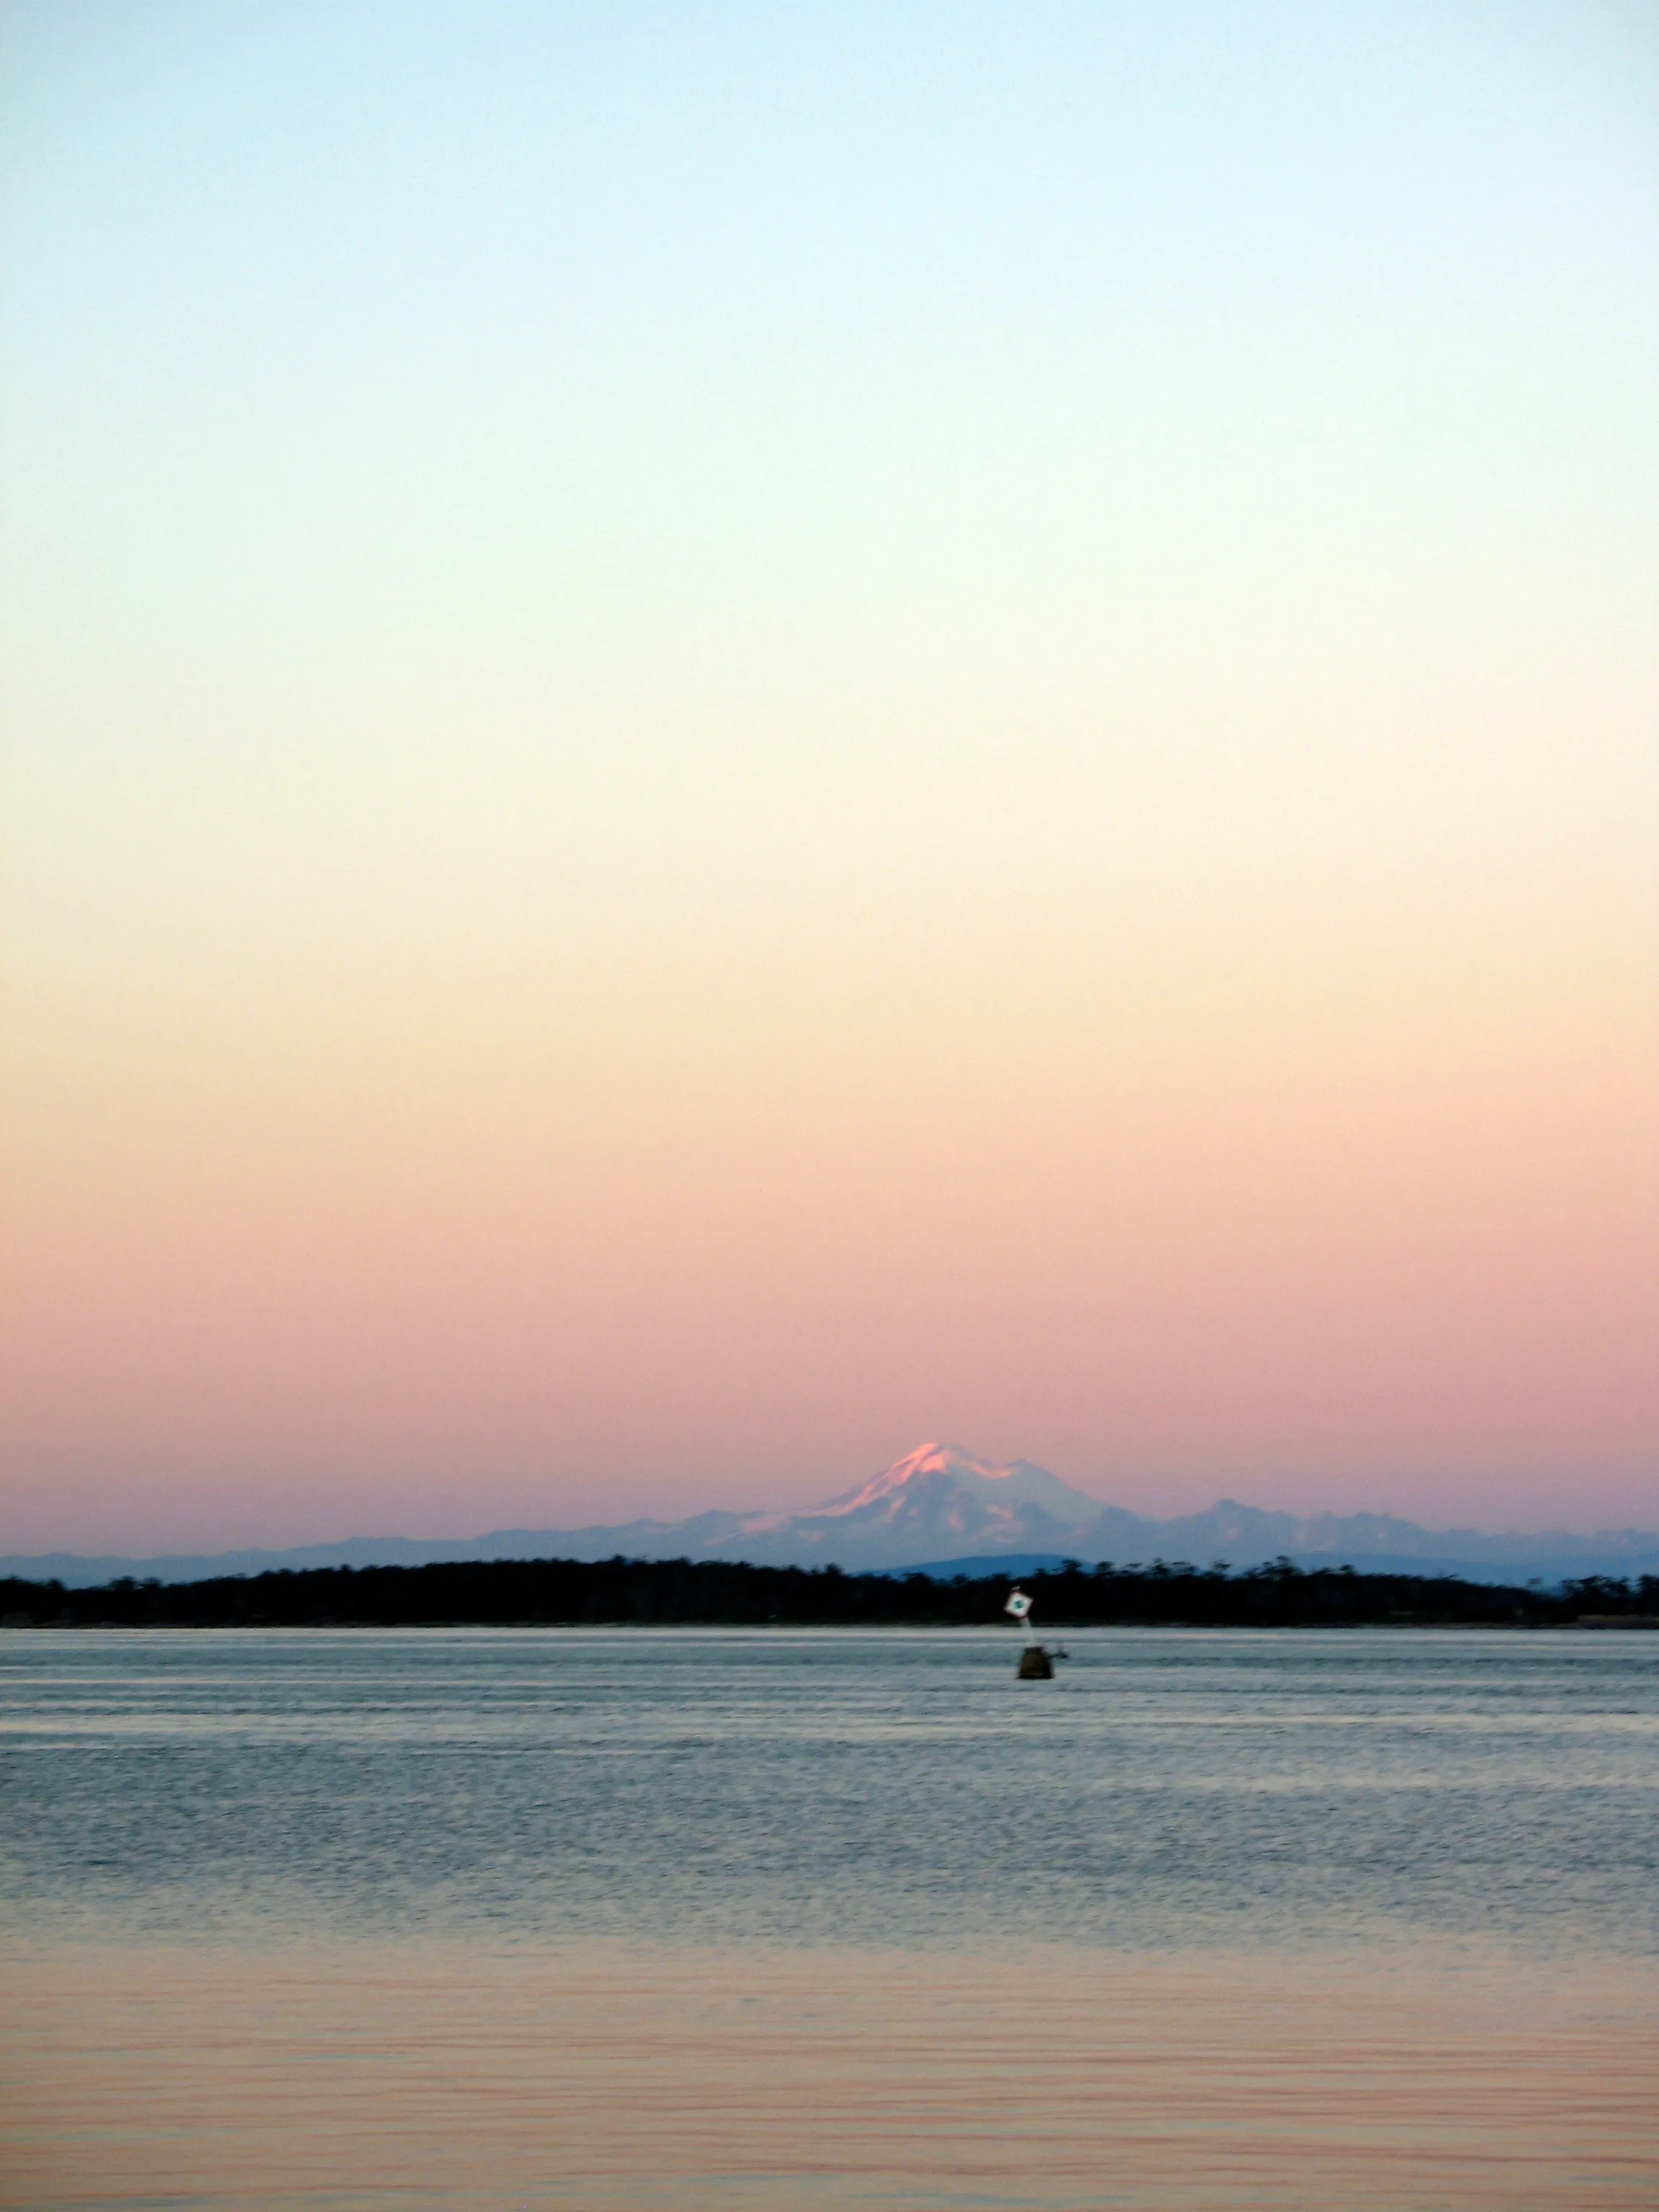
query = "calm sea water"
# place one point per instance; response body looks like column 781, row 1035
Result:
column 696, row 1918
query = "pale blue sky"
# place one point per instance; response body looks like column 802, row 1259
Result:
column 455, row 364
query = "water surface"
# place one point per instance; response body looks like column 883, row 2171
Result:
column 688, row 1919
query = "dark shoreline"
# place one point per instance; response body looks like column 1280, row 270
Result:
column 565, row 1593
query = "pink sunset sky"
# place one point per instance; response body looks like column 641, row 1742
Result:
column 730, row 739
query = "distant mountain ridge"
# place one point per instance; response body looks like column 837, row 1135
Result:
column 939, row 1507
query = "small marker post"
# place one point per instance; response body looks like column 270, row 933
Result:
column 1035, row 1664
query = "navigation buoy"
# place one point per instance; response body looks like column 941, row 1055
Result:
column 1035, row 1664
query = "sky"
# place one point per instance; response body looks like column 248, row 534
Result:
column 733, row 734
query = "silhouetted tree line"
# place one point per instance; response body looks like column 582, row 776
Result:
column 568, row 1592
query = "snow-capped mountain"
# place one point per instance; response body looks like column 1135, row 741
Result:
column 939, row 1507
column 937, row 1501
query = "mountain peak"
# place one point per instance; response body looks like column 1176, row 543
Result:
column 939, row 1458
column 933, row 1458
column 943, row 1485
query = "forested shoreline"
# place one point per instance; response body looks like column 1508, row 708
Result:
column 562, row 1593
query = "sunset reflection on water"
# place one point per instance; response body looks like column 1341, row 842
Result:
column 618, row 2081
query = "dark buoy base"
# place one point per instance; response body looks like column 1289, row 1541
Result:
column 1036, row 1665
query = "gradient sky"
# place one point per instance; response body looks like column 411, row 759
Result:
column 733, row 734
